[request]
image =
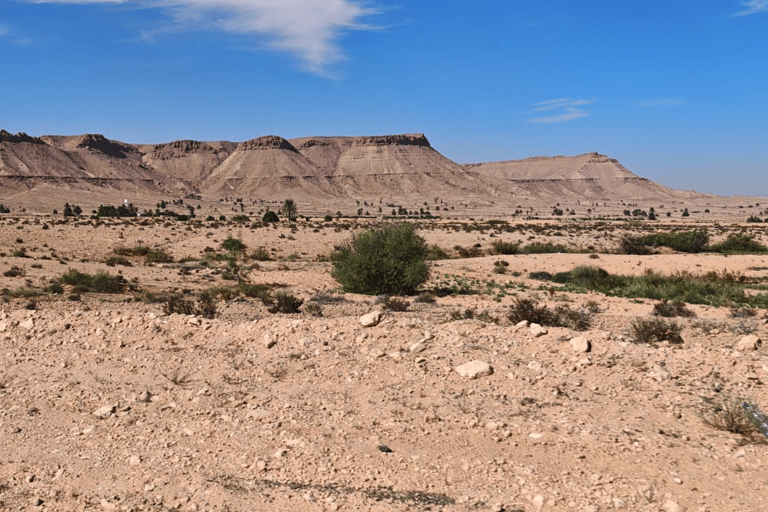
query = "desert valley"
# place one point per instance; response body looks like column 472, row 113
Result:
column 586, row 339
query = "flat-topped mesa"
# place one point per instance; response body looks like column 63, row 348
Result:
column 408, row 139
column 19, row 137
column 597, row 158
column 102, row 144
column 266, row 142
column 180, row 148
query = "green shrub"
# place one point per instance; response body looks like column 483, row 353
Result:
column 506, row 247
column 99, row 283
column 269, row 216
column 261, row 254
column 653, row 330
column 544, row 248
column 382, row 261
column 233, row 245
column 157, row 256
column 739, row 243
column 686, row 241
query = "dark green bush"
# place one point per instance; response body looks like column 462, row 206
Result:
column 633, row 245
column 506, row 247
column 118, row 260
column 233, row 245
column 739, row 243
column 285, row 303
column 382, row 261
column 269, row 216
column 99, row 283
column 544, row 248
column 686, row 241
column 434, row 252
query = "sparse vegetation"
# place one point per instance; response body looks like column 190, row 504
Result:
column 655, row 330
column 101, row 282
column 731, row 414
column 671, row 309
column 562, row 316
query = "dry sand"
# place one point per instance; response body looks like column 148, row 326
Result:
column 107, row 403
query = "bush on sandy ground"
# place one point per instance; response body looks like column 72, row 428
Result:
column 671, row 309
column 655, row 330
column 101, row 282
column 739, row 243
column 382, row 261
column 561, row 316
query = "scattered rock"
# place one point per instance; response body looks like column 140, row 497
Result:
column 417, row 347
column 474, row 369
column 371, row 319
column 105, row 412
column 27, row 324
column 670, row 506
column 748, row 342
column 269, row 340
column 537, row 330
column 581, row 344
column 659, row 373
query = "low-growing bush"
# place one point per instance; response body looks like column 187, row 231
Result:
column 671, row 309
column 101, row 282
column 633, row 245
column 285, row 303
column 739, row 243
column 506, row 247
column 261, row 254
column 731, row 414
column 544, row 248
column 394, row 304
column 742, row 312
column 685, row 241
column 234, row 245
column 655, row 330
column 14, row 271
column 382, row 261
column 118, row 260
column 562, row 316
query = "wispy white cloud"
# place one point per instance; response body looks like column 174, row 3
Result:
column 752, row 7
column 661, row 102
column 568, row 110
column 3, row 30
column 307, row 29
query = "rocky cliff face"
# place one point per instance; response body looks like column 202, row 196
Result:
column 100, row 143
column 19, row 137
column 266, row 142
column 413, row 139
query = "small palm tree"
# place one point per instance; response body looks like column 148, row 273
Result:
column 289, row 210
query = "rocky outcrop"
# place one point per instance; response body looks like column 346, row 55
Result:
column 100, row 143
column 19, row 137
column 266, row 142
column 411, row 139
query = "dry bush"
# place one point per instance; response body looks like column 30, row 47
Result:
column 654, row 330
column 671, row 309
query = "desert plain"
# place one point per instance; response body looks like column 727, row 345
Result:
column 442, row 400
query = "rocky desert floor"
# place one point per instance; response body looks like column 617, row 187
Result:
column 111, row 402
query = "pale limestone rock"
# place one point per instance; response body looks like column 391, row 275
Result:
column 538, row 330
column 581, row 344
column 474, row 369
column 371, row 319
column 27, row 324
column 105, row 412
column 749, row 342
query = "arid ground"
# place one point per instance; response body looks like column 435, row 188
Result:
column 114, row 401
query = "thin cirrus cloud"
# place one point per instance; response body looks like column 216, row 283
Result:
column 307, row 29
column 563, row 109
column 752, row 7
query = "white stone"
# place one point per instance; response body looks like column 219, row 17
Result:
column 539, row 501
column 749, row 342
column 371, row 319
column 417, row 347
column 670, row 506
column 581, row 344
column 27, row 324
column 105, row 412
column 474, row 369
column 269, row 341
column 538, row 330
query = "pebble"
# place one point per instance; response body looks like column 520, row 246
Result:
column 537, row 330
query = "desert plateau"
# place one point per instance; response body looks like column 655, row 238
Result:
column 585, row 340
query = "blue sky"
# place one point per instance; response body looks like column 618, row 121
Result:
column 675, row 90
